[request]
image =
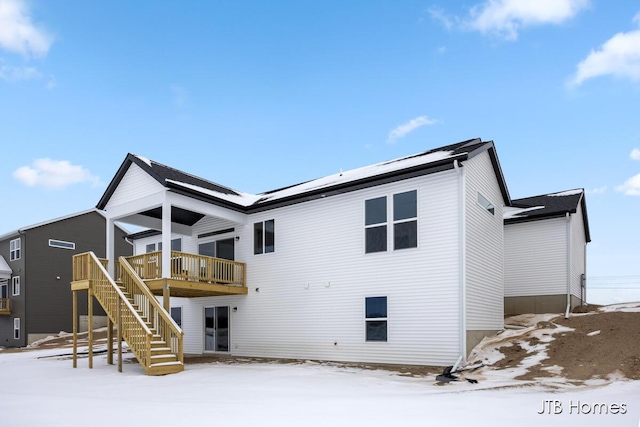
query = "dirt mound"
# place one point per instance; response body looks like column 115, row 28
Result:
column 597, row 345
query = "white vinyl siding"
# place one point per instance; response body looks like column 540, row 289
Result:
column 135, row 184
column 484, row 245
column 310, row 302
column 536, row 258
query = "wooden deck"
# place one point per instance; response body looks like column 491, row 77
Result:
column 191, row 275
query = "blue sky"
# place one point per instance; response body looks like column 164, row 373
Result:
column 259, row 95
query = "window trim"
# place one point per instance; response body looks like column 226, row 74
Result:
column 377, row 319
column 260, row 241
column 16, row 328
column 15, row 249
column 391, row 222
column 486, row 204
column 62, row 244
column 15, row 286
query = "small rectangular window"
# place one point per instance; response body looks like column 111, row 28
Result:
column 264, row 237
column 176, row 315
column 376, row 318
column 16, row 328
column 269, row 236
column 405, row 220
column 176, row 244
column 375, row 222
column 15, row 286
column 151, row 247
column 482, row 201
column 61, row 244
column 14, row 249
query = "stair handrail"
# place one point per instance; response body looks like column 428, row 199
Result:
column 122, row 297
column 126, row 268
column 140, row 345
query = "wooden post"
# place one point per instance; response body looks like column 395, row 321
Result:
column 119, row 310
column 109, row 341
column 166, row 293
column 90, row 327
column 75, row 329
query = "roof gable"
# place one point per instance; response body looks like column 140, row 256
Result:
column 547, row 206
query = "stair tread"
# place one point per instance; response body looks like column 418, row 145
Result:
column 176, row 363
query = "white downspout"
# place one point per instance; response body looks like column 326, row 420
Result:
column 462, row 273
column 569, row 263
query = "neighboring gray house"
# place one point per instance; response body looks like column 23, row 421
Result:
column 545, row 240
column 35, row 271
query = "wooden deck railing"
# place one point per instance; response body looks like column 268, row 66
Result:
column 82, row 265
column 4, row 305
column 132, row 322
column 150, row 309
column 186, row 266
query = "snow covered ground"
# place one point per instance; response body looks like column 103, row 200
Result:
column 41, row 388
column 47, row 391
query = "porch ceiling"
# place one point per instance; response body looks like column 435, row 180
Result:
column 178, row 215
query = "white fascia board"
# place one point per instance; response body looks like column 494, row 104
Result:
column 205, row 208
column 139, row 205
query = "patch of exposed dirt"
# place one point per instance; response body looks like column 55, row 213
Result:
column 600, row 345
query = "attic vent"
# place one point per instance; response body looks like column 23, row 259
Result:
column 61, row 244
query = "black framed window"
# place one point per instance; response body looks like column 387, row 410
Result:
column 405, row 220
column 376, row 318
column 176, row 315
column 375, row 222
column 264, row 237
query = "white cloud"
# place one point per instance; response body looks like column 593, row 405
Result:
column 599, row 190
column 54, row 174
column 13, row 74
column 631, row 187
column 505, row 18
column 619, row 56
column 635, row 154
column 410, row 126
column 17, row 32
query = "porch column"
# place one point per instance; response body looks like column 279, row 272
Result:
column 166, row 239
column 111, row 251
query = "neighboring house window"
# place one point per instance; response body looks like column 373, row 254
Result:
column 376, row 318
column 61, row 244
column 4, row 292
column 176, row 315
column 482, row 201
column 405, row 222
column 14, row 249
column 16, row 328
column 264, row 237
column 15, row 286
column 375, row 223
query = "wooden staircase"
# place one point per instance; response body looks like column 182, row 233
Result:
column 152, row 335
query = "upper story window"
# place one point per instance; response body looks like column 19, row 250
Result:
column 264, row 237
column 404, row 224
column 15, row 286
column 405, row 220
column 14, row 249
column 375, row 224
column 61, row 244
column 482, row 201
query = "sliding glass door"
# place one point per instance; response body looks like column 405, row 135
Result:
column 216, row 329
